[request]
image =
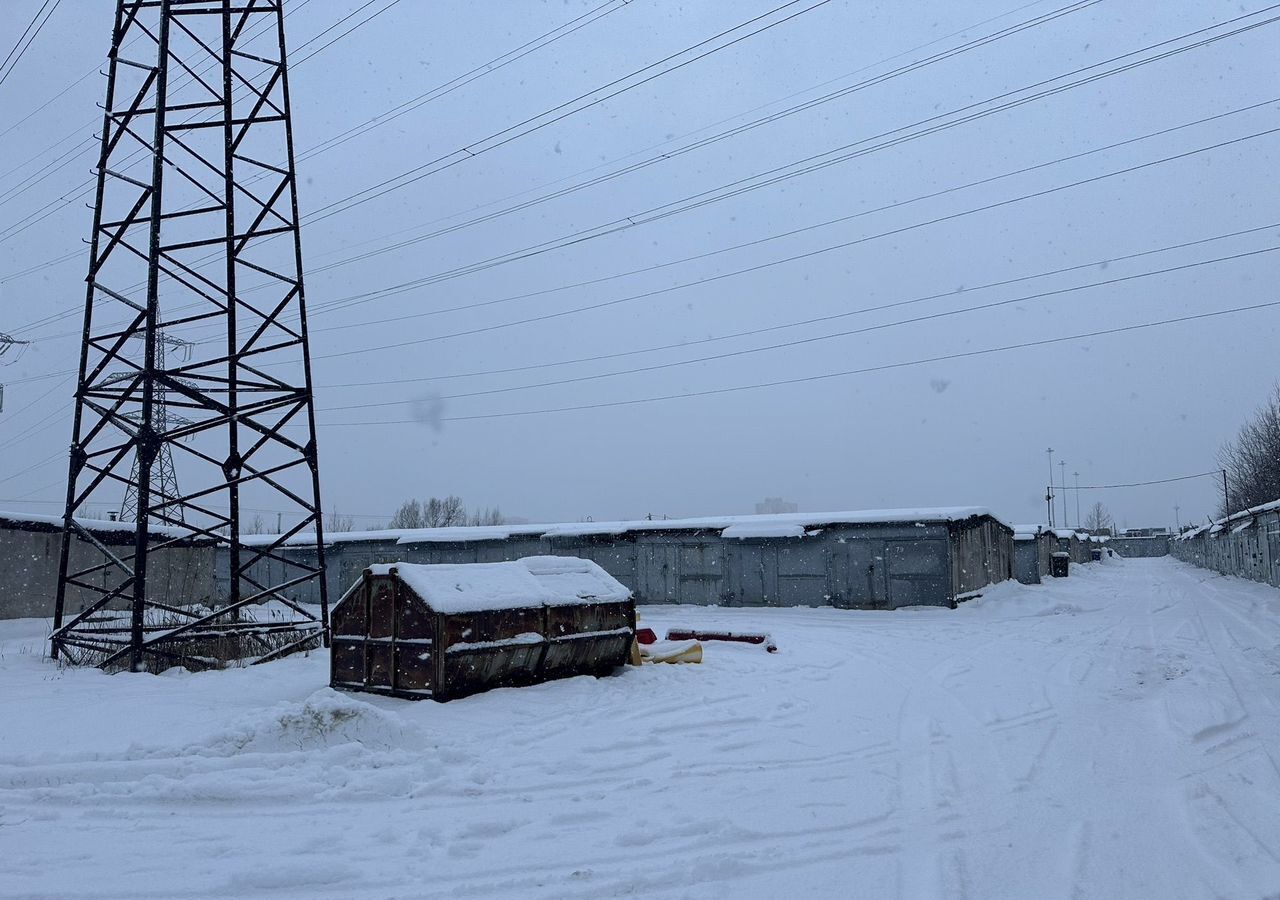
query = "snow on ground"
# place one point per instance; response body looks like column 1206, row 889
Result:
column 1114, row 735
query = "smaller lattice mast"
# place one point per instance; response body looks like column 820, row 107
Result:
column 164, row 478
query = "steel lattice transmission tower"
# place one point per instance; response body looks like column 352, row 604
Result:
column 195, row 244
column 7, row 343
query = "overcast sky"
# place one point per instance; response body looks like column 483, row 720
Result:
column 1139, row 405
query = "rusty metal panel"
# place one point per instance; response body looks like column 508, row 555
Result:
column 347, row 662
column 492, row 625
column 588, row 638
column 351, row 615
column 415, row 667
column 379, row 664
column 381, row 608
column 488, row 649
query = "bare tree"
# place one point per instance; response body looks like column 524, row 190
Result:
column 1252, row 459
column 409, row 515
column 487, row 516
column 431, row 515
column 257, row 526
column 439, row 513
column 452, row 512
column 1098, row 520
column 337, row 522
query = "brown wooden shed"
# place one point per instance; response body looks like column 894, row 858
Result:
column 446, row 631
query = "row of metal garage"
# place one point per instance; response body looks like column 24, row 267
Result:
column 1245, row 544
column 877, row 559
column 1034, row 547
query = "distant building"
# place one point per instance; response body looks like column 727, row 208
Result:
column 773, row 506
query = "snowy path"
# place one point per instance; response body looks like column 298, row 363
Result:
column 1114, row 735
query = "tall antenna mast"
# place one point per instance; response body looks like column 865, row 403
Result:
column 195, row 244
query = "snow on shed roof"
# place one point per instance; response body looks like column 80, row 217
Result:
column 777, row 525
column 533, row 581
column 1028, row 532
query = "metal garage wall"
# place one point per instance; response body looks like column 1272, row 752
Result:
column 1246, row 545
column 863, row 566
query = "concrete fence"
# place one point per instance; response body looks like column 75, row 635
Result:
column 29, row 554
column 1137, row 547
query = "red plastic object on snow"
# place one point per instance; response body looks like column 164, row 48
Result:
column 646, row 636
column 741, row 637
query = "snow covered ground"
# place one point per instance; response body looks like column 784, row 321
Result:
column 1114, row 735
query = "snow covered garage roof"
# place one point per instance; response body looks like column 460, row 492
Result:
column 38, row 522
column 779, row 525
column 532, row 581
column 1215, row 526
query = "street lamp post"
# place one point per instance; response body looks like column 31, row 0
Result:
column 1078, row 520
column 1048, row 491
column 1063, row 465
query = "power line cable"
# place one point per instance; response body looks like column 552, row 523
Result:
column 45, row 105
column 735, row 131
column 474, row 74
column 968, row 354
column 778, row 327
column 663, row 212
column 805, row 255
column 10, row 416
column 34, row 27
column 795, row 257
column 474, row 152
column 493, row 65
column 181, row 80
column 419, row 281
column 22, row 37
column 86, row 188
column 769, row 264
column 1079, row 4
column 1106, row 487
column 336, row 305
column 816, row 320
column 810, row 164
column 701, row 130
column 560, row 112
column 38, row 427
column 344, row 34
column 996, row 304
